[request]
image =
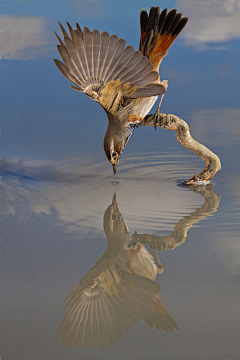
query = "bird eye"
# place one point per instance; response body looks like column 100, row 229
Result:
column 114, row 154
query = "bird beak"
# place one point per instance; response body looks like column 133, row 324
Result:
column 115, row 166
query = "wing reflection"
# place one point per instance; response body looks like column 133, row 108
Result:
column 120, row 290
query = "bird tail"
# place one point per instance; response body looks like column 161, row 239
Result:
column 159, row 29
column 159, row 317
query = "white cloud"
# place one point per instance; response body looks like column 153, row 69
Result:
column 90, row 8
column 22, row 37
column 210, row 22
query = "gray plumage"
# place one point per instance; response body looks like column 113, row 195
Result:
column 95, row 59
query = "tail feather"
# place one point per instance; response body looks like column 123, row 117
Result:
column 158, row 32
column 182, row 23
column 168, row 21
column 160, row 318
column 148, row 42
column 153, row 18
column 161, row 19
column 175, row 22
column 143, row 26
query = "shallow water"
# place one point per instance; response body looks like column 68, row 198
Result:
column 57, row 190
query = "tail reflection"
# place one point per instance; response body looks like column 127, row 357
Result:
column 120, row 290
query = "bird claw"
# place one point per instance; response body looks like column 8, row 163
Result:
column 196, row 180
column 157, row 119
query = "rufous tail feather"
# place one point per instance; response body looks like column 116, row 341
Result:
column 158, row 32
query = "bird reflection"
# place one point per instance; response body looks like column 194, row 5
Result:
column 120, row 290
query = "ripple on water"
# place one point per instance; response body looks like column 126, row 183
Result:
column 78, row 193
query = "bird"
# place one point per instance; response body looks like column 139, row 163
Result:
column 125, row 82
column 116, row 293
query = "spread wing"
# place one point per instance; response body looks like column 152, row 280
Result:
column 99, row 64
column 99, row 313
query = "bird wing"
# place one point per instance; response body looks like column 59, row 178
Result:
column 102, row 67
column 97, row 316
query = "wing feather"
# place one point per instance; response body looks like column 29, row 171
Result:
column 81, row 53
column 116, row 58
column 126, row 57
column 146, row 80
column 67, row 74
column 138, row 72
column 149, row 90
column 111, row 51
column 93, row 60
column 73, row 59
column 88, row 46
column 96, row 39
column 103, row 52
column 129, row 68
column 70, row 30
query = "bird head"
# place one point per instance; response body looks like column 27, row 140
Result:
column 113, row 150
column 116, row 138
column 115, row 227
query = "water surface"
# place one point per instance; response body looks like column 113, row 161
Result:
column 56, row 185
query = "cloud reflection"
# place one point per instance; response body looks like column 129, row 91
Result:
column 72, row 188
column 211, row 21
column 22, row 37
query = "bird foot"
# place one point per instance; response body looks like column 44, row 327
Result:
column 197, row 180
column 156, row 118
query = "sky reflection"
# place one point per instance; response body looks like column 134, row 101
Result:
column 56, row 183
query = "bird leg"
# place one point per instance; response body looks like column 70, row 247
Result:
column 157, row 113
column 156, row 117
column 182, row 129
column 153, row 119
